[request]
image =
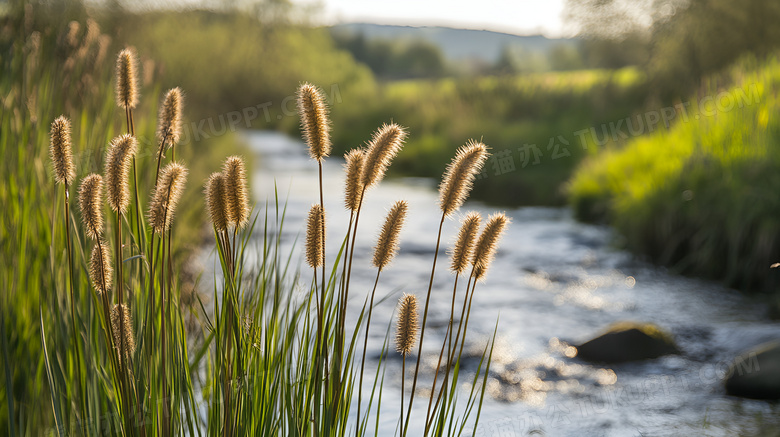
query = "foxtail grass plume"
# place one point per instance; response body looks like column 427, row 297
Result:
column 123, row 330
column 215, row 201
column 387, row 244
column 459, row 176
column 384, row 145
column 60, row 151
column 126, row 79
column 464, row 246
column 354, row 186
column 314, row 120
column 479, row 272
column 407, row 326
column 100, row 271
column 90, row 203
column 488, row 242
column 166, row 196
column 169, row 118
column 315, row 243
column 118, row 159
column 236, row 192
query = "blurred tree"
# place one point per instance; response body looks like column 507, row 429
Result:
column 390, row 59
column 678, row 41
column 565, row 57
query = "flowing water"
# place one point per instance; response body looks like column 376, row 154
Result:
column 554, row 282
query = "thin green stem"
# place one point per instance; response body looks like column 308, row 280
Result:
column 82, row 387
column 365, row 345
column 453, row 345
column 422, row 328
column 447, row 335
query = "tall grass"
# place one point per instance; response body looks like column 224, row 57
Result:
column 702, row 195
column 107, row 319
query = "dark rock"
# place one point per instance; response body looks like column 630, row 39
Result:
column 628, row 341
column 756, row 373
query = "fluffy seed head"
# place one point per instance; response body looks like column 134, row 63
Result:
column 60, row 151
column 126, row 79
column 406, row 328
column 166, row 196
column 459, row 176
column 315, row 239
column 352, row 167
column 387, row 244
column 90, row 203
column 236, row 192
column 487, row 243
column 314, row 120
column 384, row 145
column 215, row 201
column 118, row 159
column 123, row 331
column 464, row 246
column 169, row 118
column 100, row 271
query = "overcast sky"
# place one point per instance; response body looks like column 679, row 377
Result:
column 522, row 17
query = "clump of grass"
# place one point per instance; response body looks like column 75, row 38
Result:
column 267, row 364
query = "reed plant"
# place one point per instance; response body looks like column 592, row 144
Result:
column 262, row 359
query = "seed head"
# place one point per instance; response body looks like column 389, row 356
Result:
column 169, row 118
column 467, row 236
column 100, row 271
column 315, row 241
column 90, row 203
column 60, row 151
column 354, row 187
column 459, row 176
column 166, row 196
column 126, row 79
column 215, row 201
column 236, row 192
column 314, row 119
column 384, row 145
column 487, row 243
column 118, row 159
column 387, row 244
column 406, row 328
column 123, row 331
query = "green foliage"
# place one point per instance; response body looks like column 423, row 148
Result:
column 506, row 112
column 257, row 63
column 702, row 195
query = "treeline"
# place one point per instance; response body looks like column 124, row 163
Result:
column 676, row 43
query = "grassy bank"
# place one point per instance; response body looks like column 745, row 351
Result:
column 517, row 116
column 702, row 195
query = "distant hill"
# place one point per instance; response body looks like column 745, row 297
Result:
column 458, row 44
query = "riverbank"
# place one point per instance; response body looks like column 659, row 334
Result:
column 701, row 196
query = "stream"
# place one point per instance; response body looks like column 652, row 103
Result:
column 554, row 282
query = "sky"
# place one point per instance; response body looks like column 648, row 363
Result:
column 522, row 17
